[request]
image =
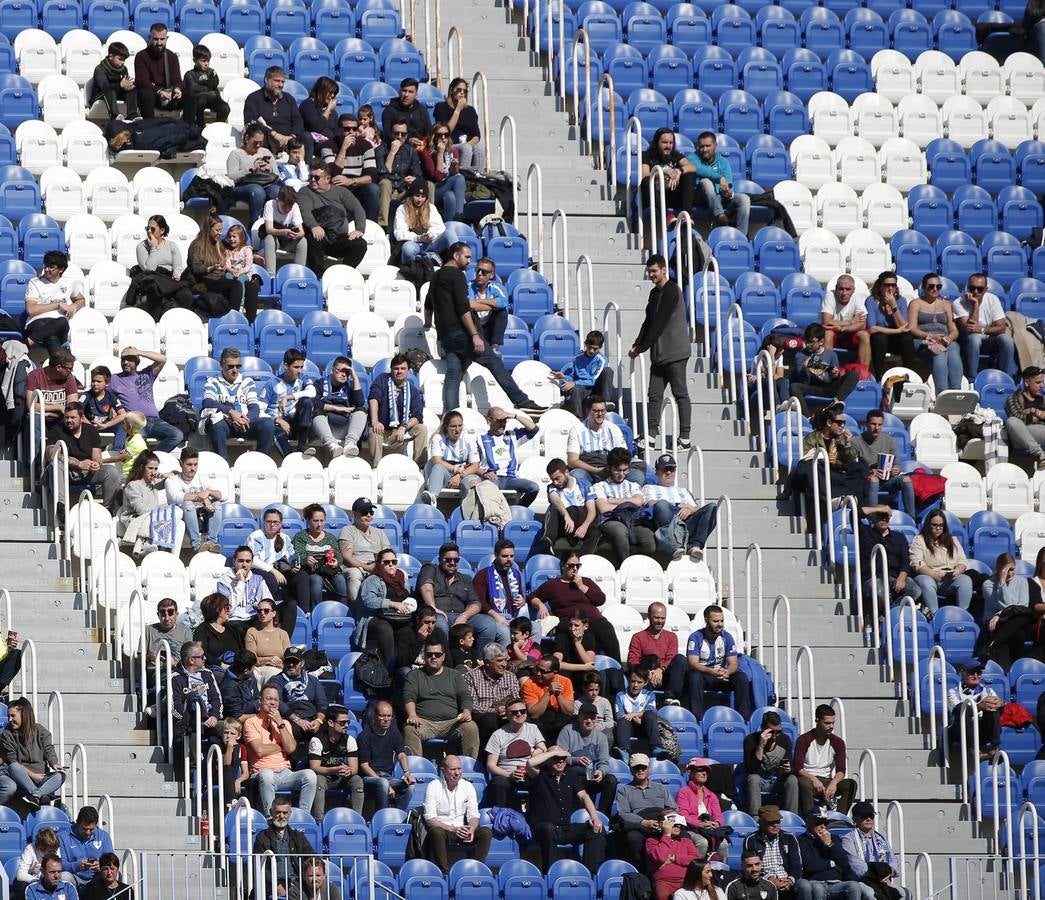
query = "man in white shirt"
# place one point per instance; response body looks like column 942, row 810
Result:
column 452, row 816
column 616, row 492
column 199, row 504
column 983, row 328
column 591, row 439
column 844, row 318
column 507, row 752
column 51, row 300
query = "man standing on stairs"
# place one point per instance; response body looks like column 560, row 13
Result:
column 462, row 343
column 665, row 333
column 820, row 765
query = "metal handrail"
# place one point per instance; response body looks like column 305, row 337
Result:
column 242, row 808
column 479, row 80
column 839, row 707
column 562, row 298
column 696, row 455
column 614, row 308
column 658, row 212
column 966, row 751
column 583, row 262
column 27, row 674
column 163, row 675
column 454, row 37
column 215, row 764
column 669, row 413
column 437, row 30
column 56, row 704
column 765, row 397
column 129, row 869
column 937, row 653
column 37, row 434
column 136, row 604
column 507, row 122
column 908, row 604
column 684, row 238
column 879, row 567
column 793, row 406
column 894, row 811
column 736, row 314
column 633, row 130
column 1027, row 878
column 867, row 758
column 60, row 476
column 804, row 653
column 579, row 35
column 849, row 511
column 820, row 456
column 724, row 500
column 637, row 377
column 782, row 600
column 606, row 81
column 534, row 174
column 1001, row 757
column 710, row 265
column 197, row 748
column 754, row 551
column 923, row 864
column 5, row 604
column 80, row 798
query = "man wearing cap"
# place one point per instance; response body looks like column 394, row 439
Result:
column 676, row 514
column 507, row 752
column 360, row 543
column 555, row 793
column 589, row 751
column 591, row 440
column 302, row 700
column 750, row 885
column 781, row 855
column 438, row 704
column 1025, row 415
column 334, row 756
column 820, row 765
column 669, row 853
column 898, row 579
column 988, row 709
column 825, row 863
column 134, row 390
column 639, row 807
column 714, row 665
column 864, row 845
column 396, row 408
column 657, row 648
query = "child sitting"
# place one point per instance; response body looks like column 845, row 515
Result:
column 368, row 129
column 135, row 423
column 234, row 762
column 462, row 647
column 294, row 172
column 592, row 693
column 637, row 706
column 200, row 87
column 103, row 409
column 589, row 373
column 112, row 82
column 524, row 651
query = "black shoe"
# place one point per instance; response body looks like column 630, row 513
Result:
column 31, row 801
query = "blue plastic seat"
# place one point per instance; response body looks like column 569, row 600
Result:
column 645, row 31
column 866, row 32
column 848, row 74
column 275, row 333
column 627, row 66
column 378, row 25
column 733, row 27
column 407, row 62
column 768, row 160
column 910, row 32
column 786, row 116
column 651, row 108
column 799, row 291
column 530, row 295
column 975, row 211
column 471, row 879
column 760, row 72
column 520, row 879
column 931, row 211
column 741, row 115
column 759, row 298
column 287, row 20
column 725, row 730
column 822, row 31
column 358, row 65
column 688, row 27
column 299, row 290
column 670, row 70
column 993, row 167
column 1030, row 165
column 777, row 29
column 715, row 71
column 37, row 234
column 695, row 111
column 913, row 254
column 949, row 165
column 955, row 33
column 332, row 22
column 1004, row 257
column 18, row 104
column 804, row 73
column 310, row 59
column 567, row 879
column 1019, row 211
column 733, row 251
column 776, row 253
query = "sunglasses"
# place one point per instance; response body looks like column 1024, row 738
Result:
column 571, row 565
column 517, row 712
column 390, row 562
column 484, row 271
column 168, row 612
column 933, row 287
column 451, row 559
column 977, row 288
column 838, row 421
column 398, row 134
column 436, row 655
column 233, row 366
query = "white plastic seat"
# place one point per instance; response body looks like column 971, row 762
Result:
column 1037, row 117
column 903, row 164
column 61, row 100
column 856, row 163
column 1010, row 121
column 798, row 200
column 965, row 493
column 114, row 596
column 184, row 230
column 830, row 117
column 933, row 441
column 169, row 383
column 822, row 255
column 126, row 233
column 133, row 41
column 164, row 575
column 379, row 275
column 38, row 146
column 692, row 587
column 484, row 390
column 679, row 623
column 431, row 377
column 110, row 195
column 839, row 208
column 1024, row 77
column 534, row 378
column 875, row 118
column 181, row 47
column 214, row 472
column 63, row 193
column 87, row 239
column 399, row 481
column 1030, row 535
column 535, row 468
column 395, row 298
column 183, row 335
column 378, row 248
column 351, row 478
column 981, row 76
column 605, row 575
column 409, row 333
column 306, row 484
column 226, row 56
column 84, row 147
column 257, row 479
column 234, row 92
column 345, row 291
column 370, row 338
column 964, row 120
column 81, row 51
column 893, row 75
column 1037, row 484
column 643, row 582
column 135, row 328
column 108, row 282
column 204, row 570
column 866, row 253
column 155, row 192
column 89, row 335
column 938, row 76
column 812, row 161
column 920, row 119
column 884, row 209
column 626, row 621
column 1009, row 491
column 37, row 55
column 90, row 528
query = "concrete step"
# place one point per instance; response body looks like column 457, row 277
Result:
column 792, row 572
column 121, row 754
column 879, row 723
column 903, row 774
column 81, row 677
column 39, row 550
column 17, row 497
column 940, row 827
column 23, row 524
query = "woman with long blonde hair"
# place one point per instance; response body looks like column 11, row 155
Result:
column 418, row 224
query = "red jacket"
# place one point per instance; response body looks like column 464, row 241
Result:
column 660, row 848
column 802, row 745
column 665, row 647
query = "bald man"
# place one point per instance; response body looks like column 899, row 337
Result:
column 658, row 649
column 844, row 317
column 452, row 815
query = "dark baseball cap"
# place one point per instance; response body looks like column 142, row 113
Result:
column 587, row 709
column 666, row 461
column 295, row 651
column 863, row 809
column 363, row 506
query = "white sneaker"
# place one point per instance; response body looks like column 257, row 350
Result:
column 308, row 452
column 678, row 554
column 696, row 554
column 333, row 448
column 351, row 449
column 428, row 497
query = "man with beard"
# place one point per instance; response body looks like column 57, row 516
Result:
column 277, row 113
column 157, row 75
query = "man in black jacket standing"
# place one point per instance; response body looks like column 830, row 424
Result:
column 459, row 335
column 665, row 333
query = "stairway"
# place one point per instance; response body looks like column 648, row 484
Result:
column 935, row 821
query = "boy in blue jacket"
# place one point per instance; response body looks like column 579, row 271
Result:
column 589, row 373
column 83, row 845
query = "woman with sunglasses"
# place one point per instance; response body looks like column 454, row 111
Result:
column 381, row 609
column 848, row 472
column 441, row 165
column 887, row 322
column 463, row 123
column 158, row 286
column 936, row 334
column 939, row 562
column 267, row 641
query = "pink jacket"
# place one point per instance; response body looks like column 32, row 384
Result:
column 690, row 808
column 659, row 849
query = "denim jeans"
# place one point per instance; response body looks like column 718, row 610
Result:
column 449, row 195
column 946, row 367
column 377, row 789
column 437, row 478
column 526, row 489
column 413, row 249
column 1028, row 438
column 261, row 430
column 957, row 587
column 190, row 515
column 835, row 890
column 901, row 483
column 255, row 195
column 999, row 346
column 317, row 585
column 698, row 526
column 303, row 783
column 737, row 208
column 459, row 354
column 17, row 781
column 167, row 436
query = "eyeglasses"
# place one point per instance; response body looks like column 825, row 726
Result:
column 350, row 128
column 265, row 609
column 318, row 177
column 435, row 654
column 198, row 656
column 571, row 565
column 168, row 612
column 544, row 673
column 398, row 134
column 341, row 371
column 452, row 559
column 484, row 271
column 936, row 524
column 639, row 768
column 233, row 366
column 390, row 562
column 341, row 723
column 517, row 712
column 977, row 288
column 838, row 421
column 442, row 134
column 933, row 287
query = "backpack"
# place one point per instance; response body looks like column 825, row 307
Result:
column 19, row 365
column 370, row 672
column 179, row 412
column 486, row 503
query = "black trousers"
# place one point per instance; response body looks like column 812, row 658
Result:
column 839, row 388
column 605, row 789
column 883, row 344
column 293, row 596
column 112, row 95
column 236, row 293
column 149, row 102
column 345, row 250
column 561, row 541
column 574, row 400
column 548, row 836
column 990, row 728
column 673, row 375
column 195, row 106
column 52, row 333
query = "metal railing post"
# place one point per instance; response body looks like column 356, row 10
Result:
column 583, row 264
column 55, row 705
column 784, row 671
column 868, row 759
column 754, row 552
column 562, row 297
column 508, row 124
column 897, row 840
column 633, row 138
column 804, row 653
column 724, row 500
column 535, row 179
column 479, row 80
column 605, row 82
column 735, row 313
column 615, row 334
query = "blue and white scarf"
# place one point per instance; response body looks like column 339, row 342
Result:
column 496, row 590
column 394, row 419
column 163, row 526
